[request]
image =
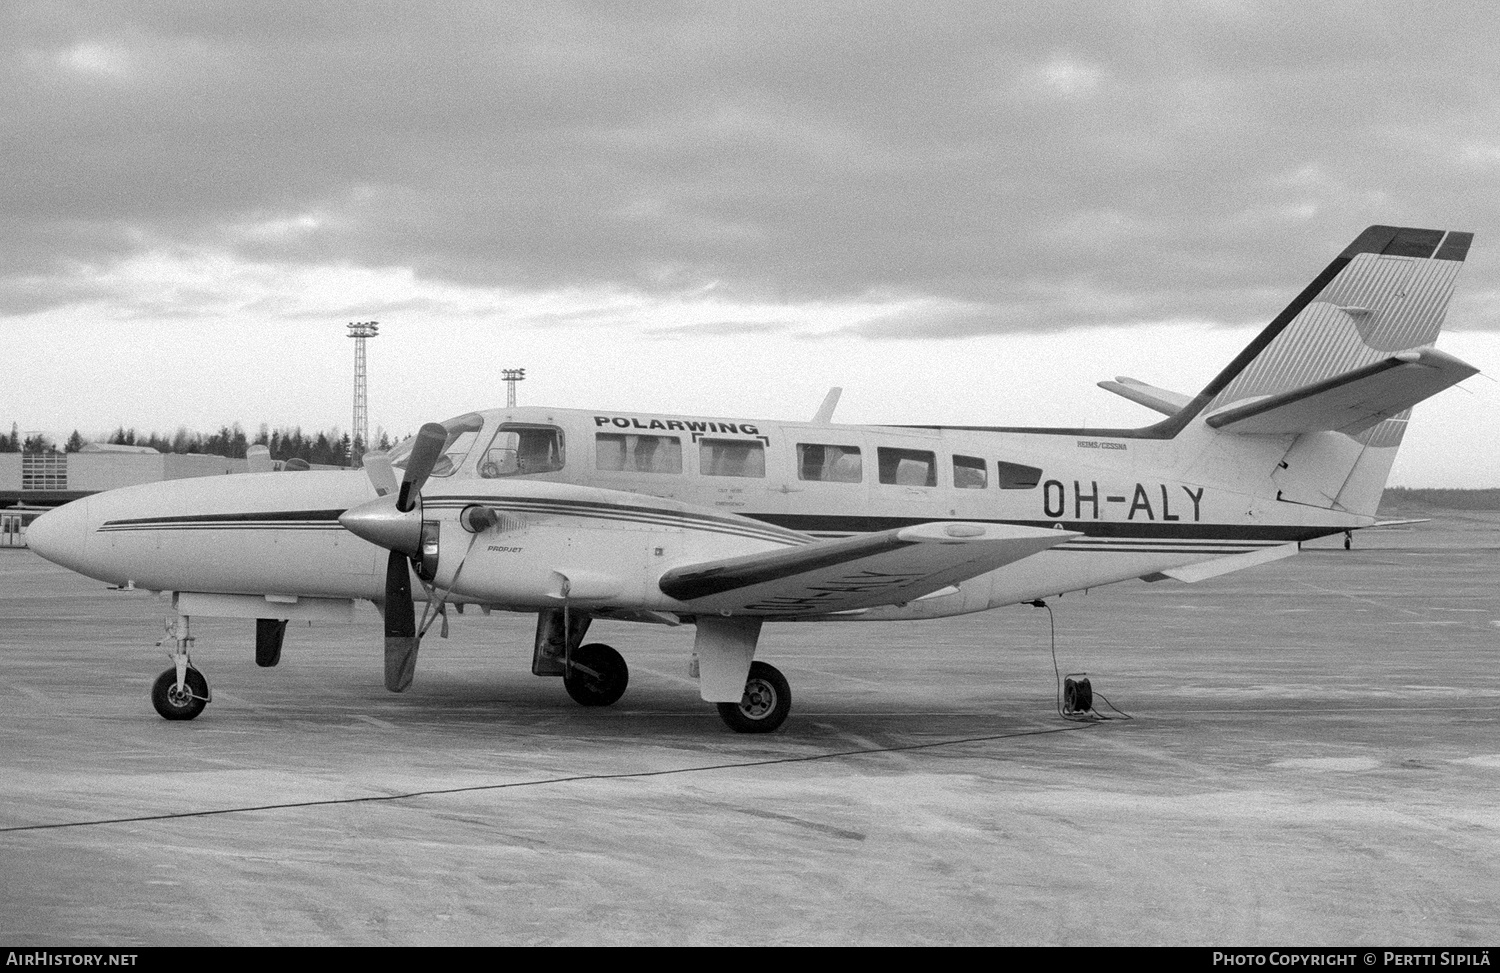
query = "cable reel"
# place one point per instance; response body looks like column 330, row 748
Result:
column 1078, row 694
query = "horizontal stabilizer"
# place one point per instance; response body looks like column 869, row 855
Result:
column 1167, row 403
column 1348, row 403
column 886, row 568
column 1204, row 570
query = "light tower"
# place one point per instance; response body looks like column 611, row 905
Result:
column 359, row 331
column 512, row 376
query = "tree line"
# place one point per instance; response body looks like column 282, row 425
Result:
column 330, row 447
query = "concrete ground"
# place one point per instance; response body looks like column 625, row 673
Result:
column 1314, row 759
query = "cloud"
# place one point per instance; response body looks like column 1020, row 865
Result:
column 1025, row 168
column 721, row 329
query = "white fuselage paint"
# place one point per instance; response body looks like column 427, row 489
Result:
column 1144, row 506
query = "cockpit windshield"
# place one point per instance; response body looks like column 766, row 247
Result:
column 462, row 432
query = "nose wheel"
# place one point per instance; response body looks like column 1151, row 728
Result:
column 183, row 702
column 181, row 692
column 765, row 705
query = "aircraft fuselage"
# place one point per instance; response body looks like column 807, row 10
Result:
column 1142, row 506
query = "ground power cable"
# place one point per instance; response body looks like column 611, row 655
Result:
column 1089, row 714
column 579, row 778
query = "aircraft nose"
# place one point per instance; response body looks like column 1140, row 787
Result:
column 61, row 535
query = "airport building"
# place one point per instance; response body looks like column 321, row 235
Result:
column 31, row 480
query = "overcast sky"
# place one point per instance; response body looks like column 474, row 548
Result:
column 963, row 213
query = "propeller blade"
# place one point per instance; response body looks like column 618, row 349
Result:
column 400, row 625
column 382, row 476
column 425, row 453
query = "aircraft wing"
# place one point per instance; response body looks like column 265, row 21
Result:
column 1160, row 400
column 887, row 568
column 1351, row 402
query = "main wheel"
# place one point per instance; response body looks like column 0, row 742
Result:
column 605, row 683
column 183, row 704
column 765, row 705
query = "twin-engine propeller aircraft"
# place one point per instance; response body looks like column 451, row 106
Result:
column 727, row 524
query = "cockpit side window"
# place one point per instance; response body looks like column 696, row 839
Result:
column 520, row 448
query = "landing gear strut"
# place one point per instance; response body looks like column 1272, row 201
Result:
column 765, row 705
column 181, row 692
column 596, row 676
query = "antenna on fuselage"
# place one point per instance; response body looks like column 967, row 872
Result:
column 830, row 402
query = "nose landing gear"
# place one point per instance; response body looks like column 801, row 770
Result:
column 181, row 692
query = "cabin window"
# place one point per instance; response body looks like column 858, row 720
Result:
column 834, row 464
column 907, row 467
column 731, row 457
column 519, row 449
column 620, row 452
column 970, row 473
column 1014, row 476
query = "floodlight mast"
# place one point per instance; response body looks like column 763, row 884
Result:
column 360, row 438
column 512, row 376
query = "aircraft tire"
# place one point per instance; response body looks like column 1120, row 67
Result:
column 765, row 705
column 173, row 705
column 608, row 686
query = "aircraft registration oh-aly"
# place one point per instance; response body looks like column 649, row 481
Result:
column 726, row 524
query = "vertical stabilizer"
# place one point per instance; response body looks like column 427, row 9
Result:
column 1340, row 347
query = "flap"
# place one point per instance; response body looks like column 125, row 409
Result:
column 1203, row 570
column 1348, row 403
column 886, row 568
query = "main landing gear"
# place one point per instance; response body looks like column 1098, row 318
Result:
column 181, row 692
column 593, row 674
column 596, row 675
column 765, row 705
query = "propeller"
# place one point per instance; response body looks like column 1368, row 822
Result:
column 397, row 526
column 425, row 452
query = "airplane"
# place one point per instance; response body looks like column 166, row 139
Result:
column 726, row 524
